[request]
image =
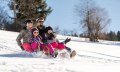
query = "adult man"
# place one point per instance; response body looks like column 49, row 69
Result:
column 40, row 26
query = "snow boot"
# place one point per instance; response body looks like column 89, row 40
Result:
column 73, row 53
column 55, row 54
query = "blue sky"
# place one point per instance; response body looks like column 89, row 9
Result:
column 63, row 14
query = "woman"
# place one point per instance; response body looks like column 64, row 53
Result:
column 25, row 34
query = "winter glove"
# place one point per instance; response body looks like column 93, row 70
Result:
column 51, row 36
column 22, row 48
column 67, row 40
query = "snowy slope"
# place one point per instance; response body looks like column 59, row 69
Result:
column 91, row 57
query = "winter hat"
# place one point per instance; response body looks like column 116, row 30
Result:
column 28, row 21
column 48, row 28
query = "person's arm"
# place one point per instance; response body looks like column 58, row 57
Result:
column 40, row 40
column 31, row 40
column 19, row 37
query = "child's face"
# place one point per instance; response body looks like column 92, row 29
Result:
column 29, row 25
column 50, row 31
column 35, row 33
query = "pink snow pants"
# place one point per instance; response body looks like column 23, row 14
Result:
column 30, row 47
column 27, row 47
column 34, row 46
column 50, row 47
column 59, row 46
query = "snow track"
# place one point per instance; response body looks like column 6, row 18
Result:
column 91, row 57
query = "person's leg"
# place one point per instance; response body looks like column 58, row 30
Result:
column 41, row 47
column 61, row 46
column 68, row 49
column 50, row 48
column 34, row 46
column 27, row 47
column 54, row 44
column 72, row 53
column 46, row 49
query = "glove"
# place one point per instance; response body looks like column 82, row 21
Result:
column 51, row 36
column 22, row 48
column 67, row 40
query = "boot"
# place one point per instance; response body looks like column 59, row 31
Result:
column 22, row 48
column 73, row 53
column 55, row 54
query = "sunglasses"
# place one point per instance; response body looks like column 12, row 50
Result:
column 36, row 32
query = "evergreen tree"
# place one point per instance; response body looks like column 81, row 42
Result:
column 29, row 9
column 112, row 36
column 118, row 35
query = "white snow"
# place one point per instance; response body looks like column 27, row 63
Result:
column 103, row 56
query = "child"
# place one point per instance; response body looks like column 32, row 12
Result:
column 37, row 44
column 51, row 39
column 35, row 41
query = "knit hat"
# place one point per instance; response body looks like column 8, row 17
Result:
column 48, row 28
column 28, row 21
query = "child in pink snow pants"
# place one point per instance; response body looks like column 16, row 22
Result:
column 27, row 47
column 35, row 41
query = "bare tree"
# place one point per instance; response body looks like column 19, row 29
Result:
column 103, row 36
column 93, row 19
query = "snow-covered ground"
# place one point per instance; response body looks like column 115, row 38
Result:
column 103, row 56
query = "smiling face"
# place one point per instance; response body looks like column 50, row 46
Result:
column 49, row 31
column 29, row 25
column 40, row 21
column 36, row 33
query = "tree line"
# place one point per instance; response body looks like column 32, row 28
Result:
column 93, row 19
column 111, row 36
